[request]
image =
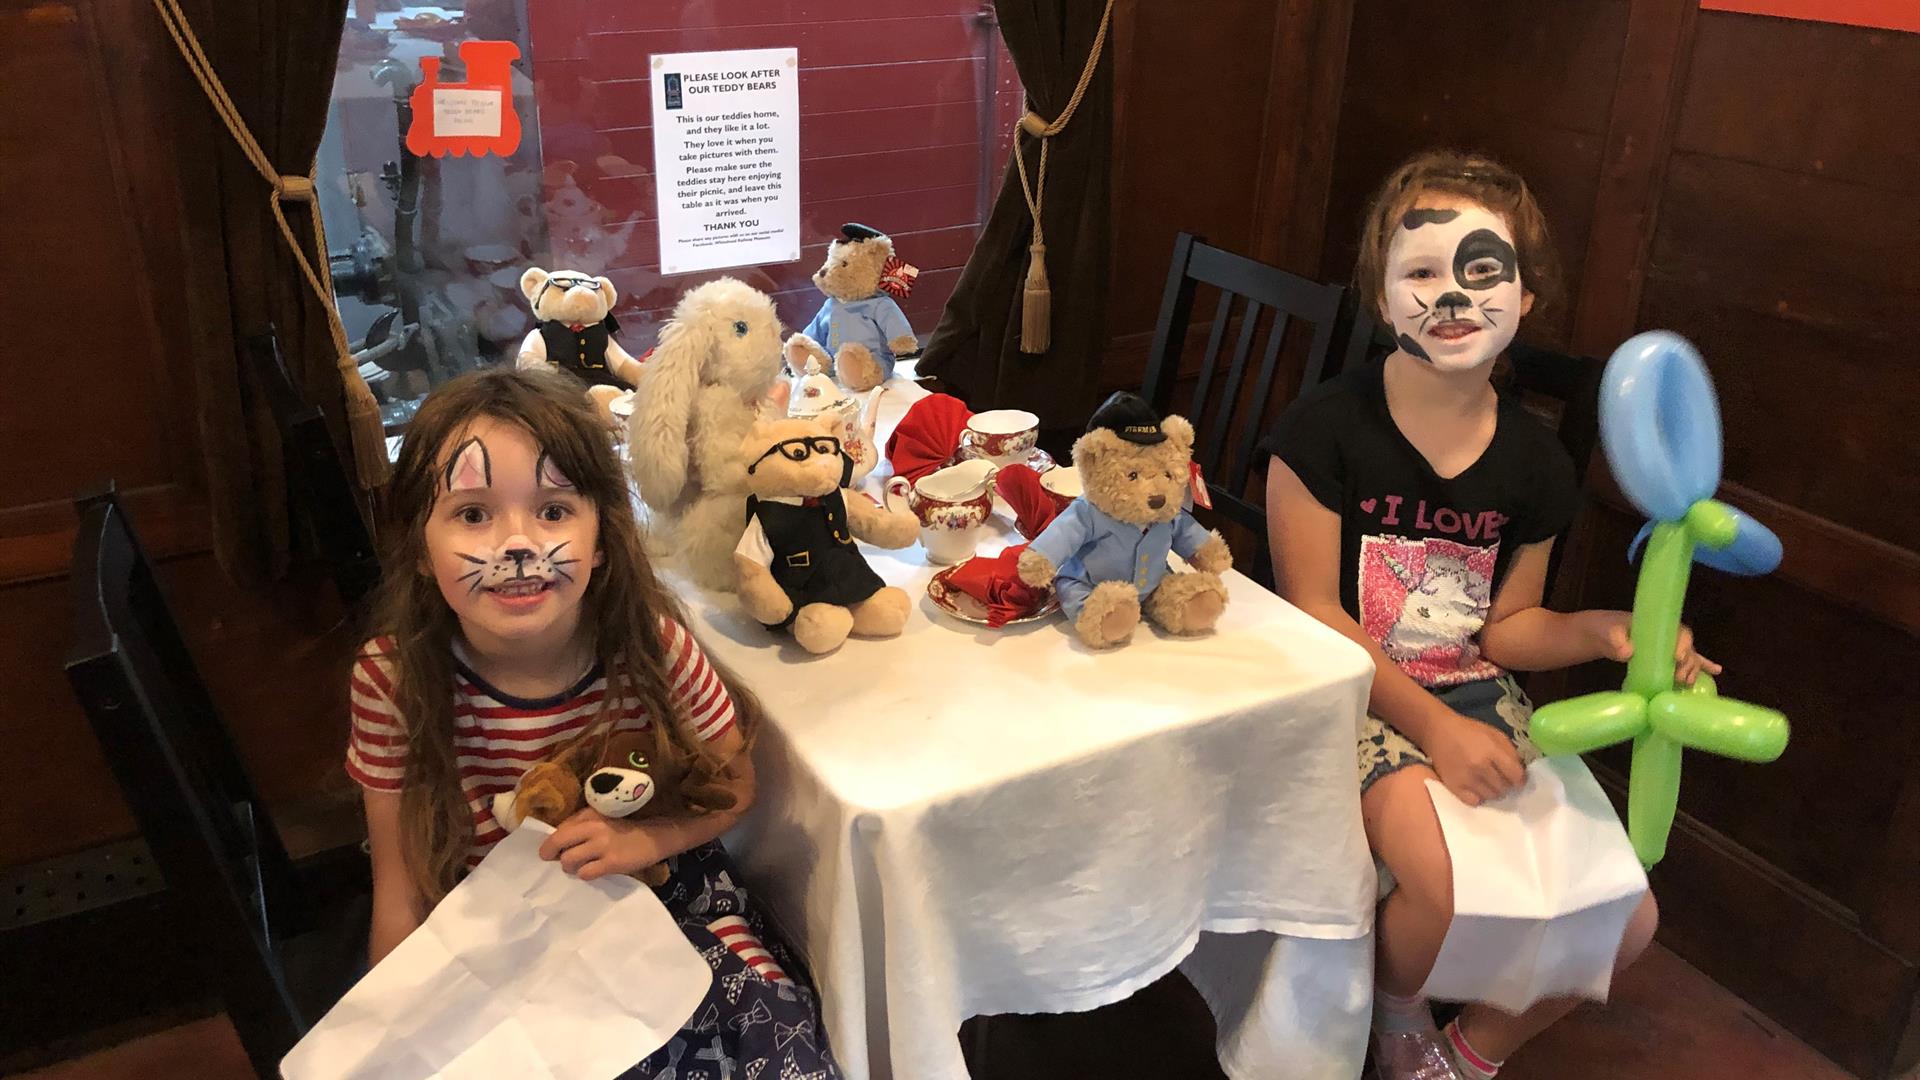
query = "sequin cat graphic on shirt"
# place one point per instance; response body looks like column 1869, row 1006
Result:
column 1425, row 602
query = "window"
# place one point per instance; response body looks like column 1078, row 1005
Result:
column 906, row 119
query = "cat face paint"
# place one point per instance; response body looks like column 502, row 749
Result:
column 1453, row 288
column 510, row 541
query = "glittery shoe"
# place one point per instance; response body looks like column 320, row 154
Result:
column 1412, row 1055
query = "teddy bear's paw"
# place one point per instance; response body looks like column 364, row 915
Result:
column 1035, row 569
column 856, row 369
column 884, row 614
column 1110, row 614
column 653, row 876
column 822, row 628
column 1188, row 603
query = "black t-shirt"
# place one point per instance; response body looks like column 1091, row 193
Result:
column 1421, row 556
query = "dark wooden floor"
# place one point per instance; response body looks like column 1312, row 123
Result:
column 1667, row 1022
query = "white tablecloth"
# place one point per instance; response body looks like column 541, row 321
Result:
column 964, row 821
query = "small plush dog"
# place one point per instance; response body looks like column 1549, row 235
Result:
column 624, row 783
column 1106, row 553
column 860, row 331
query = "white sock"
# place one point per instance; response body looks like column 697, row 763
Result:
column 1395, row 1015
column 1468, row 1062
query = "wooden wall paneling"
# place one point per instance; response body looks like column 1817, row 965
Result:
column 1309, row 66
column 1529, row 84
column 93, row 182
column 1627, row 200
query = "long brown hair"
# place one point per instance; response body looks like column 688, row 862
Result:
column 1470, row 176
column 623, row 606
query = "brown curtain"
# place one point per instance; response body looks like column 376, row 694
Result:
column 976, row 346
column 276, row 59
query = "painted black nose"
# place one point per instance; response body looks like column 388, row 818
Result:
column 519, row 555
column 1452, row 304
column 603, row 782
column 1155, row 502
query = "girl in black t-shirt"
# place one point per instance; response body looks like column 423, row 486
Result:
column 1413, row 510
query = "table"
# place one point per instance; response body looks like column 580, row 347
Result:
column 964, row 821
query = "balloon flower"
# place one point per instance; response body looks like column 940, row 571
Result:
column 1660, row 426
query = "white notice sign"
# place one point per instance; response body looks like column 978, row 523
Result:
column 726, row 155
column 466, row 112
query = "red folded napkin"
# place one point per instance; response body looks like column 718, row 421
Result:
column 926, row 438
column 994, row 580
column 1033, row 508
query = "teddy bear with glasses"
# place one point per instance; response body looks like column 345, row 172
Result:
column 798, row 565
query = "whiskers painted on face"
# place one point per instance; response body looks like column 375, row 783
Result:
column 557, row 564
column 1426, row 314
column 1488, row 311
column 473, row 574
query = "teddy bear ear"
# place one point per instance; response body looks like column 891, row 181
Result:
column 606, row 290
column 531, row 281
column 1087, row 448
column 1180, row 430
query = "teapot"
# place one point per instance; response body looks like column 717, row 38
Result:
column 817, row 397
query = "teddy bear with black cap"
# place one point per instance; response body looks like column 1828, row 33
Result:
column 859, row 332
column 1106, row 553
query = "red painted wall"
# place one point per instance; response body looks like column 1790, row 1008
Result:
column 892, row 99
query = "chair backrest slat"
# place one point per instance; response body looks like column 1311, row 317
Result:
column 1236, row 420
column 230, row 882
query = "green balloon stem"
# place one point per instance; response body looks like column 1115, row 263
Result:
column 1657, row 600
column 1653, row 795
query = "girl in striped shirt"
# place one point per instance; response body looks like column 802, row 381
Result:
column 524, row 624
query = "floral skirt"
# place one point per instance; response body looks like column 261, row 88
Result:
column 760, row 1017
column 1498, row 703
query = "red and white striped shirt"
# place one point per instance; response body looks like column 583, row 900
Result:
column 498, row 736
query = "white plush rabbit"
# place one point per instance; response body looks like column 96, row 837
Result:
column 709, row 378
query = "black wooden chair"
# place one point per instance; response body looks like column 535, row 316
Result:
column 235, row 895
column 1248, row 289
column 317, row 477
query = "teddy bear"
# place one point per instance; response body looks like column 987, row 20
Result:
column 623, row 783
column 574, row 332
column 715, row 371
column 797, row 562
column 860, row 330
column 1106, row 553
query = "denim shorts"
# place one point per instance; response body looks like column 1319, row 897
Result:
column 1498, row 703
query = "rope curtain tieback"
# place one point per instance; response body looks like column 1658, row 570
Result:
column 363, row 412
column 1036, row 301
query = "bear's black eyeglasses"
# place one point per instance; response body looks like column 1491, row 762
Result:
column 800, row 449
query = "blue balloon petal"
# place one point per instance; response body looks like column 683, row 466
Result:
column 1660, row 424
column 1639, row 538
column 1755, row 550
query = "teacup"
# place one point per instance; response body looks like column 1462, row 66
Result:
column 1062, row 485
column 1002, row 436
column 951, row 503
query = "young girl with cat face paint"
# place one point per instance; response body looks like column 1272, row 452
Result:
column 522, row 623
column 1413, row 509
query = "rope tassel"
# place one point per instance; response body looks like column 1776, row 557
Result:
column 1036, row 304
column 1036, row 300
column 363, row 412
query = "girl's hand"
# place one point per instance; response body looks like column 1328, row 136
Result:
column 1476, row 762
column 1615, row 643
column 591, row 845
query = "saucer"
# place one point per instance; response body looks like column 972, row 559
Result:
column 622, row 406
column 942, row 594
column 1038, row 461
